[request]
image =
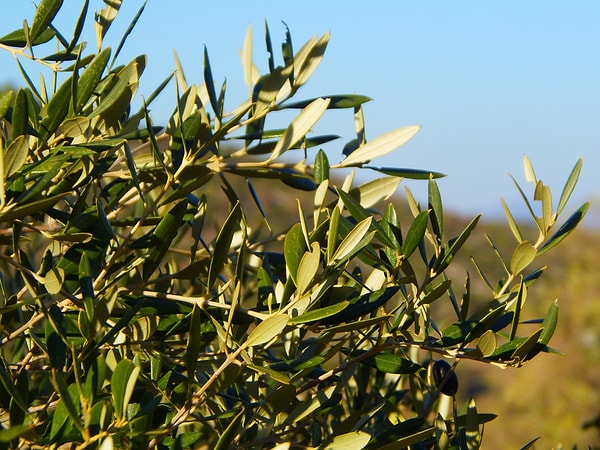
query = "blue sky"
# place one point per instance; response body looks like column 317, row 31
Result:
column 488, row 81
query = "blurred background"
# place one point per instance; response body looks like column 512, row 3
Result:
column 489, row 82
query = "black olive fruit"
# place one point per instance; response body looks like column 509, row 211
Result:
column 447, row 382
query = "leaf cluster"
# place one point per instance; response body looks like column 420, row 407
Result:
column 126, row 321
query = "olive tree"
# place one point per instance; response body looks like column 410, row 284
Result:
column 142, row 305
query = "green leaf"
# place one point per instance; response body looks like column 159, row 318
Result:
column 375, row 191
column 354, row 440
column 473, row 437
column 53, row 280
column 435, row 293
column 118, row 99
column 226, row 439
column 412, row 174
column 15, row 432
column 162, row 236
column 565, row 229
column 308, row 268
column 308, row 58
column 567, row 190
column 320, row 313
column 549, row 323
column 299, row 127
column 521, row 296
column 15, row 155
column 20, row 212
column 512, row 223
column 335, row 101
column 456, row 244
column 391, row 363
column 89, row 79
column 267, row 330
column 361, row 306
column 56, row 110
column 130, row 27
column 321, row 172
column 542, row 193
column 20, row 115
column 122, row 383
column 17, row 38
column 69, row 397
column 437, row 213
column 380, row 146
column 43, row 17
column 527, row 346
column 359, row 212
column 354, row 241
column 415, row 234
column 223, row 243
column 487, row 344
column 294, row 248
column 5, row 101
column 523, row 255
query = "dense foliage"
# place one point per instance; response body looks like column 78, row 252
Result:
column 128, row 321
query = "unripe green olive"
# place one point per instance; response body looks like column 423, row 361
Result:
column 442, row 373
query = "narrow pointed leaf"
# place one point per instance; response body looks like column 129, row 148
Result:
column 89, row 79
column 320, row 313
column 565, row 229
column 412, row 174
column 267, row 330
column 43, row 17
column 380, row 146
column 300, row 126
column 15, row 155
column 569, row 186
column 512, row 223
column 352, row 241
column 336, row 101
column 294, row 248
column 415, row 234
column 223, row 243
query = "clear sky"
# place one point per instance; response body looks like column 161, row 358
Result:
column 488, row 81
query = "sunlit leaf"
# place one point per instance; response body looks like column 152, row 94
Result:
column 569, row 186
column 353, row 241
column 319, row 313
column 267, row 330
column 300, row 126
column 44, row 15
column 380, row 146
column 415, row 234
column 512, row 223
column 354, row 440
column 15, row 155
column 523, row 255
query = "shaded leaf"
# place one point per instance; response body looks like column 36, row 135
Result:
column 565, row 229
column 413, row 174
column 335, row 101
column 223, row 243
